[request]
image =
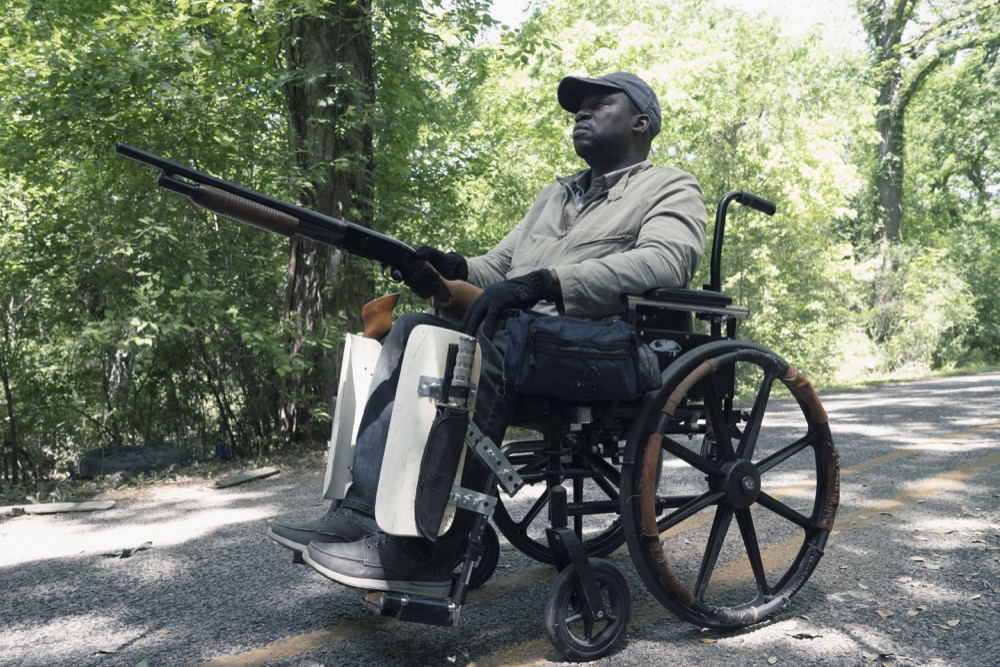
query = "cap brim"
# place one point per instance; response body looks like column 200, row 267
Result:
column 572, row 90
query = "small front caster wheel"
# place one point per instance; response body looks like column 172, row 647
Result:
column 570, row 625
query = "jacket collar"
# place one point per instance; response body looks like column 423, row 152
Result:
column 617, row 190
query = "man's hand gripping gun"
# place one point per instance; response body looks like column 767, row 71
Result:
column 273, row 215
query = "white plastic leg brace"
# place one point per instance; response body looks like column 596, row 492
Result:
column 414, row 410
column 356, row 371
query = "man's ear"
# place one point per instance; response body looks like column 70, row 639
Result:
column 641, row 123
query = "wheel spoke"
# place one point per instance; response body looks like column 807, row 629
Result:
column 690, row 509
column 610, row 490
column 588, row 627
column 607, row 480
column 748, row 443
column 602, row 467
column 786, row 512
column 667, row 502
column 715, row 421
column 532, row 513
column 749, row 533
column 786, row 453
column 720, row 527
column 691, row 458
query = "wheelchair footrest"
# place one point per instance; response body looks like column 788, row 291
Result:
column 414, row 608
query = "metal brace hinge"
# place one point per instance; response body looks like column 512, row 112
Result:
column 494, row 459
column 475, row 501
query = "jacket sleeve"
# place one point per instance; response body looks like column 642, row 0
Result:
column 494, row 266
column 667, row 251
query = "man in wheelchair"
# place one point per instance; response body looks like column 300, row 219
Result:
column 620, row 226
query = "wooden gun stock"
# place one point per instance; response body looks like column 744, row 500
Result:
column 377, row 316
column 377, row 313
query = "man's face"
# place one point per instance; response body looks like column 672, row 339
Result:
column 604, row 126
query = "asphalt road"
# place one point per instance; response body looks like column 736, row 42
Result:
column 911, row 575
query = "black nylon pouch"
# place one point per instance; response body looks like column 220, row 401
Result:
column 437, row 469
column 578, row 360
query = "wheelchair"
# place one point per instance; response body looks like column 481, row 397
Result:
column 734, row 435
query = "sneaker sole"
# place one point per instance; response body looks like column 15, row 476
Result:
column 429, row 588
column 285, row 542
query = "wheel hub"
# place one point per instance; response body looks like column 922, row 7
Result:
column 741, row 483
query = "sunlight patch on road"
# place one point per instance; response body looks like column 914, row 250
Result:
column 540, row 652
column 132, row 522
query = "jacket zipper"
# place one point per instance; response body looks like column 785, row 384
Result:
column 613, row 239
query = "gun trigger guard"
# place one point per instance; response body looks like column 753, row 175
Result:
column 391, row 272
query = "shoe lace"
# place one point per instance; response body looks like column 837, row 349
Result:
column 376, row 540
column 335, row 512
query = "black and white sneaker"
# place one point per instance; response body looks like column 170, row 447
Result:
column 382, row 562
column 337, row 525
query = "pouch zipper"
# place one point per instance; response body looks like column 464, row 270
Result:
column 539, row 338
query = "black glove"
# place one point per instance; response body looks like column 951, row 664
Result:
column 522, row 292
column 425, row 282
column 450, row 265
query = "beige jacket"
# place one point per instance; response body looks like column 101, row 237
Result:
column 647, row 231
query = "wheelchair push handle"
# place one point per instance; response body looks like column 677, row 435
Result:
column 756, row 203
column 741, row 197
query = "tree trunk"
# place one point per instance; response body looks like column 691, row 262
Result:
column 11, row 459
column 885, row 22
column 8, row 363
column 329, row 100
column 891, row 163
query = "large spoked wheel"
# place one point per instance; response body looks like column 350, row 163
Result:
column 732, row 494
column 592, row 488
column 571, row 627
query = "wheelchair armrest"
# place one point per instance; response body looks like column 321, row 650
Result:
column 690, row 300
column 693, row 297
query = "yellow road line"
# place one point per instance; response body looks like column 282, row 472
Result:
column 910, row 450
column 539, row 651
column 307, row 643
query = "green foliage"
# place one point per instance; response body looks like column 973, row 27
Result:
column 136, row 333
column 952, row 134
column 929, row 313
column 127, row 316
column 932, row 184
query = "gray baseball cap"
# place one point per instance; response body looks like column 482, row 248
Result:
column 573, row 88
